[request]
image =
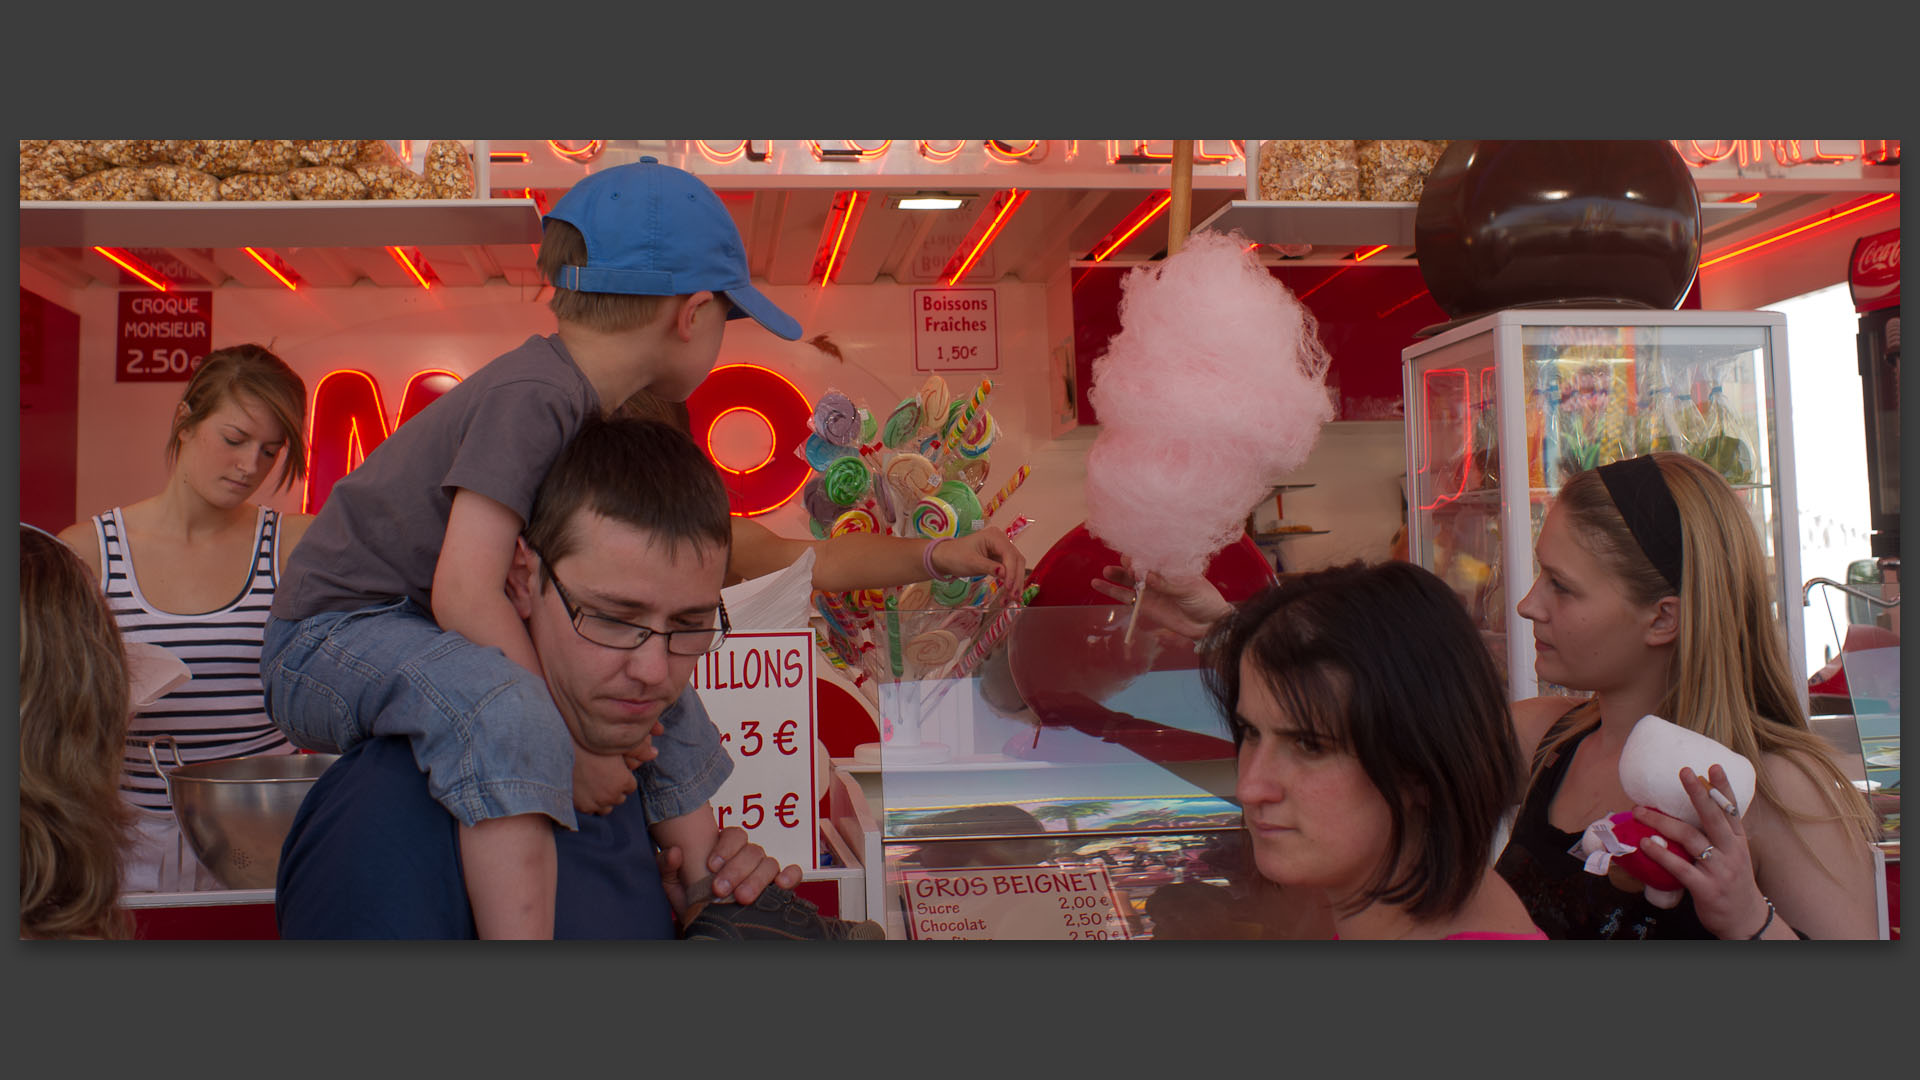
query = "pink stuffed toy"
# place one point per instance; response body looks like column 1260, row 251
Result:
column 1650, row 765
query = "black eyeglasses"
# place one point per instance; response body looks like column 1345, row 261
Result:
column 616, row 634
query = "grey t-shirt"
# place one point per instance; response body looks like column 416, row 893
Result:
column 496, row 434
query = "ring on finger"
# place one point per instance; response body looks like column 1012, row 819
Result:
column 1704, row 855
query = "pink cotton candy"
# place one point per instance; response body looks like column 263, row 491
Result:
column 1210, row 394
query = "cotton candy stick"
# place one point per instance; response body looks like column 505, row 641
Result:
column 1013, row 485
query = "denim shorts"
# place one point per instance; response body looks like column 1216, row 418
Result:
column 483, row 729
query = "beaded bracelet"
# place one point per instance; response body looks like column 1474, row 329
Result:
column 926, row 558
column 1764, row 925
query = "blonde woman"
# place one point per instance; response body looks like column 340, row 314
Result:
column 1653, row 595
column 73, row 722
column 192, row 570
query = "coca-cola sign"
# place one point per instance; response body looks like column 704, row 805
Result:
column 1874, row 274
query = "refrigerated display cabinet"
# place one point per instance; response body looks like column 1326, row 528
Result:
column 1504, row 409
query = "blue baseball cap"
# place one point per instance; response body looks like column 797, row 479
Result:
column 654, row 230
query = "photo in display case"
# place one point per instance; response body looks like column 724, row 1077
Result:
column 1504, row 410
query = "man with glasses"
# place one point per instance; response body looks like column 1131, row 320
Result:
column 627, row 543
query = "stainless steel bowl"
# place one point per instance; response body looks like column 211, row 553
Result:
column 236, row 812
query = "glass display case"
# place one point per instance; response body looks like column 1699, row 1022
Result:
column 1504, row 409
column 1069, row 785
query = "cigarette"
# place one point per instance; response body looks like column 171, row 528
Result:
column 1723, row 802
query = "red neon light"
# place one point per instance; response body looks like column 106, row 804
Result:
column 942, row 156
column 1200, row 155
column 347, row 420
column 715, row 455
column 786, row 411
column 1466, row 385
column 1160, row 200
column 1855, row 207
column 1743, row 197
column 1011, row 156
column 518, row 157
column 1324, row 282
column 401, row 258
column 1362, row 256
column 1010, row 201
column 584, row 153
column 707, row 151
column 270, row 268
column 847, row 206
column 132, row 265
column 1401, row 304
column 860, row 152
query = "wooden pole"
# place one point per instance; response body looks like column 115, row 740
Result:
column 1180, row 211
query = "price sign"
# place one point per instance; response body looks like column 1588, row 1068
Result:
column 1013, row 903
column 758, row 688
column 955, row 330
column 162, row 337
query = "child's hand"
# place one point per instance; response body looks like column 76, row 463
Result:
column 741, row 868
column 646, row 751
column 1187, row 606
column 601, row 781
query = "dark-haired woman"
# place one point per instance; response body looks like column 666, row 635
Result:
column 1376, row 754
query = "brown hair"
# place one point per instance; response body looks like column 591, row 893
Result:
column 642, row 473
column 1730, row 679
column 647, row 405
column 1383, row 662
column 74, row 713
column 562, row 245
column 227, row 373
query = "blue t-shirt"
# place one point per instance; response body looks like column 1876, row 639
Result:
column 372, row 856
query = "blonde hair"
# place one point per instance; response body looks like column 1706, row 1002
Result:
column 74, row 712
column 1729, row 678
column 609, row 313
column 226, row 374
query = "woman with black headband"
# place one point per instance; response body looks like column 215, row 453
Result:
column 1653, row 595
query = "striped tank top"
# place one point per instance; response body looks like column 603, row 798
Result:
column 221, row 712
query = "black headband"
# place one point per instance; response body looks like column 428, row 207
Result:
column 1644, row 501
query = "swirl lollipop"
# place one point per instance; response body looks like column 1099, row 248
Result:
column 951, row 593
column 934, row 398
column 813, row 496
column 965, row 505
column 836, row 419
column 932, row 517
column 911, row 476
column 915, row 597
column 932, row 648
column 903, row 425
column 820, row 453
column 846, row 480
column 853, row 521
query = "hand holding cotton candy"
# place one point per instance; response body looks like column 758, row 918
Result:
column 1650, row 764
column 1212, row 391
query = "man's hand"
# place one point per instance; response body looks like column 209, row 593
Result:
column 741, row 868
column 987, row 551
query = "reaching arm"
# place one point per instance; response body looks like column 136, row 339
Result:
column 870, row 561
column 469, row 581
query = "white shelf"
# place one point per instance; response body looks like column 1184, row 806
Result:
column 1360, row 224
column 316, row 223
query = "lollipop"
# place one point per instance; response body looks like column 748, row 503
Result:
column 820, row 453
column 836, row 420
column 933, row 398
column 818, row 530
column 933, row 648
column 854, row 521
column 932, row 516
column 951, row 593
column 846, row 480
column 836, row 615
column 978, row 438
column 911, row 476
column 903, row 425
column 813, row 496
column 915, row 597
column 969, row 471
column 966, row 507
column 1019, row 477
column 883, row 503
column 868, row 426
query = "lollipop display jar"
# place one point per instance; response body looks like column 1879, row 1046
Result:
column 1086, row 792
column 1503, row 410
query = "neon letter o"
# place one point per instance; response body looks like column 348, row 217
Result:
column 770, row 484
